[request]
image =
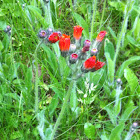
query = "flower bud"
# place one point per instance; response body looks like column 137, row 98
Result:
column 135, row 125
column 8, row 28
column 42, row 34
column 49, row 31
column 72, row 48
column 86, row 45
column 59, row 33
column 73, row 58
column 119, row 81
column 93, row 52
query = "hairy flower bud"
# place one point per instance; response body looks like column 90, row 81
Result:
column 93, row 52
column 7, row 29
column 73, row 58
column 86, row 46
column 42, row 34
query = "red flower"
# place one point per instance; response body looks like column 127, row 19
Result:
column 101, row 36
column 54, row 37
column 77, row 32
column 64, row 43
column 99, row 65
column 90, row 63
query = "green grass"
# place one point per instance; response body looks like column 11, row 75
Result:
column 33, row 84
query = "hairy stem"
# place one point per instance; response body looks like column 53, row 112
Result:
column 36, row 77
column 93, row 16
column 62, row 109
column 102, row 15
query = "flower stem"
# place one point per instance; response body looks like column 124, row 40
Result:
column 93, row 16
column 123, row 30
column 62, row 109
column 102, row 15
column 36, row 78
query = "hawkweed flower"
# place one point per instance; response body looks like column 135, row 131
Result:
column 7, row 29
column 77, row 33
column 94, row 52
column 42, row 34
column 64, row 44
column 91, row 65
column 73, row 58
column 99, row 39
column 86, row 46
column 54, row 37
column 99, row 65
column 101, row 36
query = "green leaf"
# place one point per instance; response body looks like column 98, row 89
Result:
column 104, row 137
column 118, row 5
column 82, row 23
column 1, row 46
column 110, row 67
column 89, row 130
column 13, row 95
column 53, row 104
column 127, row 113
column 132, row 40
column 117, row 108
column 37, row 13
column 109, row 54
column 112, row 33
column 109, row 48
column 131, row 79
column 28, row 79
column 2, row 25
column 116, row 132
column 1, row 13
column 111, row 114
column 125, row 64
column 73, row 99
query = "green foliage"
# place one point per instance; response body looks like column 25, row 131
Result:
column 116, row 132
column 94, row 96
column 89, row 130
column 131, row 78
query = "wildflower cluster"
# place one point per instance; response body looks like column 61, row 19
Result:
column 76, row 54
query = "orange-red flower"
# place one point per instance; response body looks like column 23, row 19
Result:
column 90, row 63
column 54, row 37
column 64, row 43
column 99, row 65
column 101, row 36
column 77, row 33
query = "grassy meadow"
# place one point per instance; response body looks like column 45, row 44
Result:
column 45, row 97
